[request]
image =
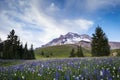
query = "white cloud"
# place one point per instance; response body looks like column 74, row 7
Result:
column 91, row 6
column 94, row 5
column 79, row 24
column 49, row 26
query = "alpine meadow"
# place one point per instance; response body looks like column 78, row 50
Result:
column 59, row 40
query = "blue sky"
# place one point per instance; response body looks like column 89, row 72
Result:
column 39, row 21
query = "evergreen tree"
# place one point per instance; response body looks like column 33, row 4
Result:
column 42, row 53
column 26, row 52
column 99, row 45
column 32, row 52
column 72, row 53
column 79, row 52
column 51, row 54
column 4, row 50
column 10, row 46
column 21, row 52
column 1, row 48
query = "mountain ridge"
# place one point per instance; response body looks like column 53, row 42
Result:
column 73, row 38
column 69, row 38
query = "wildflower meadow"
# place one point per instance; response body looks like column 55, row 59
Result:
column 63, row 69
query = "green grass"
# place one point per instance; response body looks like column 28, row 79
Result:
column 6, row 63
column 116, row 50
column 61, row 51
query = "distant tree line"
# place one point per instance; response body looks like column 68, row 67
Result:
column 79, row 52
column 13, row 49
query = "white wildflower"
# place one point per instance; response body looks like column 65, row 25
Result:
column 23, row 77
column 114, row 67
column 79, row 75
column 101, row 73
column 113, row 76
column 118, row 76
column 102, row 67
column 15, row 74
column 42, row 65
column 73, row 75
column 77, row 78
column 113, row 71
column 39, row 74
column 108, row 68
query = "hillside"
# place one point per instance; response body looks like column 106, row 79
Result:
column 63, row 51
column 58, row 51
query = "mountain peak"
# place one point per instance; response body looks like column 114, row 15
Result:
column 69, row 38
column 70, row 33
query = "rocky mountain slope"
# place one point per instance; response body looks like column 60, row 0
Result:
column 74, row 38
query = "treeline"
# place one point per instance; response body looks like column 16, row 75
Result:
column 12, row 48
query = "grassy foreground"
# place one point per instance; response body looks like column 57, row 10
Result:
column 64, row 69
column 5, row 63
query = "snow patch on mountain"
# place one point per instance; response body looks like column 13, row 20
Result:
column 69, row 38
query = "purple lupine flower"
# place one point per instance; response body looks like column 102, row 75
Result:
column 57, row 75
column 67, row 77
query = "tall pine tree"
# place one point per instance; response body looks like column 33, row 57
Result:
column 32, row 52
column 1, row 48
column 79, row 52
column 100, row 45
column 42, row 53
column 26, row 52
column 10, row 46
column 72, row 53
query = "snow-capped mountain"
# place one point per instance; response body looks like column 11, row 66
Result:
column 74, row 38
column 69, row 38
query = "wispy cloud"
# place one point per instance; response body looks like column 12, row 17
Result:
column 34, row 25
column 91, row 5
